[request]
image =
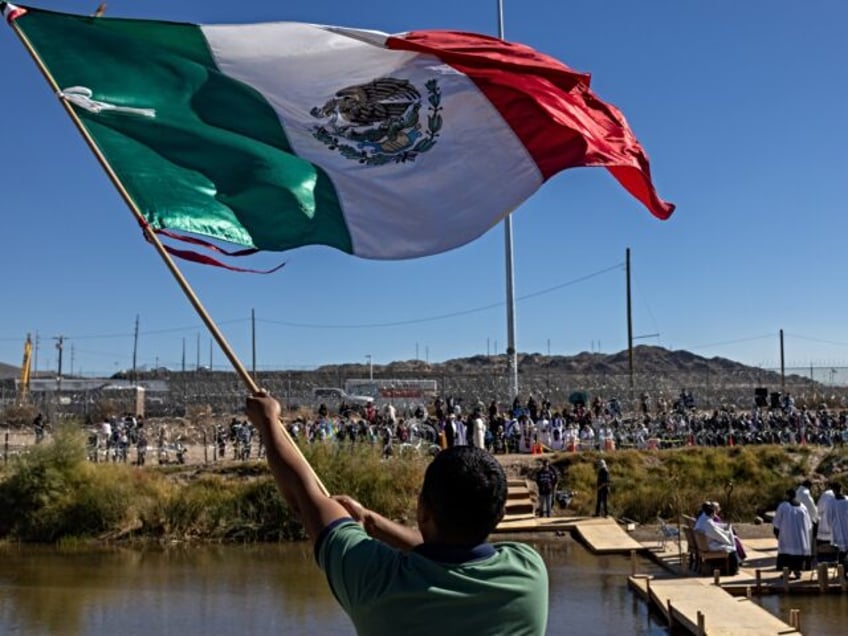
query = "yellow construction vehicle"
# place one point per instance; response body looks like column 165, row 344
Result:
column 26, row 366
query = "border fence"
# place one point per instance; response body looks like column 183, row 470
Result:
column 176, row 393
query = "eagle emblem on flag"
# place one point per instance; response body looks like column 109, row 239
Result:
column 381, row 119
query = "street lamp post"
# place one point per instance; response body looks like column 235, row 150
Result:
column 370, row 368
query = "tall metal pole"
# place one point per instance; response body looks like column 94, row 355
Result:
column 35, row 361
column 782, row 366
column 511, row 352
column 135, row 351
column 183, row 376
column 60, row 345
column 253, row 340
column 629, row 325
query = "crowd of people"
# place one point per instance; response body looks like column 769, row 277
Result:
column 239, row 435
column 536, row 425
column 808, row 531
column 525, row 426
column 115, row 438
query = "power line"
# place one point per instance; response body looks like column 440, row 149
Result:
column 455, row 314
column 730, row 342
column 821, row 340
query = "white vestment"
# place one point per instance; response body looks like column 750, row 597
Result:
column 794, row 526
column 823, row 507
column 718, row 538
column 802, row 494
column 838, row 517
column 478, row 434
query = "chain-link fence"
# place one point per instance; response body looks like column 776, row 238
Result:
column 224, row 392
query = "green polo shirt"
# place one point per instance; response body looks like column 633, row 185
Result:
column 499, row 588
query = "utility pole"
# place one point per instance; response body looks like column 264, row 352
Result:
column 198, row 353
column 183, row 375
column 253, row 340
column 60, row 345
column 135, row 353
column 210, row 354
column 511, row 351
column 35, row 362
column 629, row 325
column 782, row 367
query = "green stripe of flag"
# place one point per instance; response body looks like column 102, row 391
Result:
column 214, row 160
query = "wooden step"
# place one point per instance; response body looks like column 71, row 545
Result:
column 515, row 492
column 520, row 507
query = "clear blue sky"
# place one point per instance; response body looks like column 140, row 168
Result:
column 740, row 105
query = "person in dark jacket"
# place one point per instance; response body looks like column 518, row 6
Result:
column 603, row 488
column 546, row 481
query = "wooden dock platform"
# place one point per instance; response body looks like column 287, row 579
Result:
column 601, row 535
column 701, row 607
column 605, row 536
column 758, row 575
column 699, row 604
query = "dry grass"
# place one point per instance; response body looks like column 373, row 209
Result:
column 745, row 480
column 53, row 494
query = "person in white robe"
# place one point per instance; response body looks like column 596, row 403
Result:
column 558, row 432
column 803, row 494
column 478, row 430
column 793, row 528
column 837, row 515
column 805, row 497
column 823, row 507
column 461, row 433
column 720, row 537
column 701, row 520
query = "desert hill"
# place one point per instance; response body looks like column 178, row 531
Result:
column 648, row 360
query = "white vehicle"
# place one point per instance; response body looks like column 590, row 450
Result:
column 400, row 392
column 337, row 395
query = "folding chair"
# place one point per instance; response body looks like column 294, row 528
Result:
column 666, row 532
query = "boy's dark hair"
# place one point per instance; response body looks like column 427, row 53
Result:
column 465, row 491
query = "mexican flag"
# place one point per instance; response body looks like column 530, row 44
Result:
column 273, row 136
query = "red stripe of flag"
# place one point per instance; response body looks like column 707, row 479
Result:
column 550, row 107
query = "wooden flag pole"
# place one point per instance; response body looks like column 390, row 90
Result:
column 151, row 236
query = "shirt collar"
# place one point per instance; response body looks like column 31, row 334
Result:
column 443, row 553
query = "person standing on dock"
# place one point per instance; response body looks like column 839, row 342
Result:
column 603, row 488
column 546, row 482
column 837, row 517
column 803, row 494
column 793, row 529
column 825, row 501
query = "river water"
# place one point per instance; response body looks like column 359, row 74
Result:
column 277, row 589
